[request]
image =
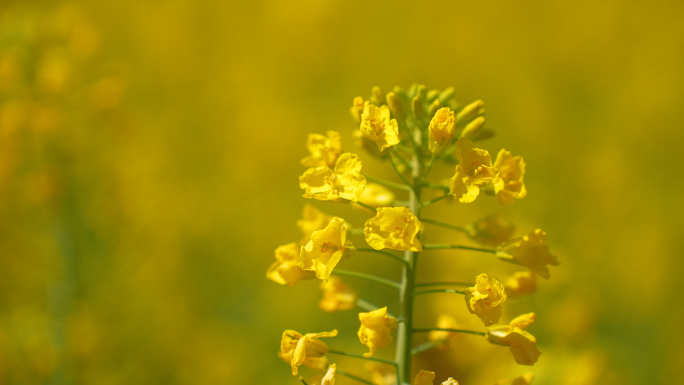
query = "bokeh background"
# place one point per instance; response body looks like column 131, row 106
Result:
column 149, row 154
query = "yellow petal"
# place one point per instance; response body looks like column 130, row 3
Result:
column 424, row 377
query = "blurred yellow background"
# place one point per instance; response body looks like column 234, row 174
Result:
column 149, row 154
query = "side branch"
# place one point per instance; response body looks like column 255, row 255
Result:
column 396, row 257
column 368, row 277
column 428, row 203
column 447, row 225
column 418, row 330
column 435, row 246
column 388, row 183
column 362, row 357
column 452, row 291
column 428, row 284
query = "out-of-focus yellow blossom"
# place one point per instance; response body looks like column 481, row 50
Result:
column 531, row 251
column 337, row 296
column 312, row 220
column 491, row 230
column 474, row 170
column 511, row 172
column 285, row 270
column 521, row 343
column 324, row 150
column 525, row 379
column 450, row 381
column 472, row 130
column 424, row 377
column 382, row 374
column 327, row 378
column 394, row 228
column 377, row 195
column 444, row 338
column 377, row 126
column 441, row 129
column 357, row 108
column 326, row 249
column 345, row 181
column 297, row 349
column 484, row 299
column 522, row 282
column 375, row 329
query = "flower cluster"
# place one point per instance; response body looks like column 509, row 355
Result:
column 413, row 130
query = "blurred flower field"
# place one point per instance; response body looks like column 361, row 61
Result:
column 149, row 154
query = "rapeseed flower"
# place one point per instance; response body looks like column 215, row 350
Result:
column 344, row 181
column 484, row 299
column 357, row 108
column 525, row 379
column 312, row 220
column 377, row 195
column 424, row 377
column 394, row 228
column 324, row 151
column 511, row 172
column 297, row 349
column 375, row 329
column 441, row 129
column 522, row 282
column 521, row 343
column 474, row 170
column 377, row 126
column 492, row 230
column 531, row 251
column 337, row 296
column 442, row 337
column 285, row 270
column 326, row 249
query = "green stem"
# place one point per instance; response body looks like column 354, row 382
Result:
column 415, row 293
column 436, row 186
column 331, row 351
column 428, row 203
column 367, row 277
column 418, row 330
column 353, row 377
column 448, row 226
column 388, row 183
column 302, row 380
column 365, row 305
column 428, row 284
column 424, row 346
column 396, row 257
column 371, row 208
column 394, row 166
column 442, row 247
column 432, row 160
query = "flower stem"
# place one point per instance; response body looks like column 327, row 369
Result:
column 353, row 377
column 371, row 208
column 427, row 284
column 443, row 247
column 368, row 277
column 388, row 183
column 418, row 330
column 436, row 186
column 424, row 346
column 332, row 351
column 302, row 380
column 396, row 257
column 432, row 160
column 428, row 203
column 448, row 226
column 394, row 166
column 415, row 293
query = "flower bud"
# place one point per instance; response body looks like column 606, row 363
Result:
column 472, row 130
column 395, row 106
column 469, row 112
column 376, row 98
column 446, row 95
column 422, row 92
column 417, row 107
column 434, row 106
column 432, row 95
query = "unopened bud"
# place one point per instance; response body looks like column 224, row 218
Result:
column 472, row 130
column 421, row 91
column 434, row 106
column 469, row 112
column 412, row 90
column 395, row 106
column 417, row 107
column 376, row 98
column 432, row 95
column 446, row 95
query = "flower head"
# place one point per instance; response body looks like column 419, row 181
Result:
column 522, row 282
column 474, row 170
column 521, row 343
column 531, row 251
column 375, row 329
column 491, row 230
column 511, row 172
column 312, row 220
column 377, row 126
column 394, row 228
column 337, row 296
column 484, row 299
column 441, row 129
column 377, row 195
column 297, row 349
column 326, row 249
column 441, row 337
column 345, row 181
column 382, row 374
column 285, row 270
column 357, row 108
column 324, row 150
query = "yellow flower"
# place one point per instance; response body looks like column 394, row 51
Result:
column 450, row 381
column 511, row 172
column 522, row 282
column 525, row 379
column 375, row 329
column 337, row 296
column 345, row 181
column 377, row 195
column 441, row 129
column 484, row 299
column 285, row 270
column 394, row 228
column 382, row 374
column 474, row 170
column 329, row 377
column 531, row 251
column 326, row 249
column 424, row 377
column 377, row 126
column 312, row 220
column 521, row 343
column 444, row 338
column 297, row 349
column 357, row 108
column 324, row 150
column 491, row 230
